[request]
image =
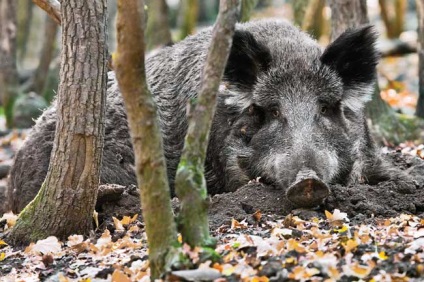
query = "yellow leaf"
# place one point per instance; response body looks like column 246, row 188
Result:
column 260, row 279
column 2, row 256
column 328, row 214
column 62, row 278
column 85, row 280
column 228, row 269
column 126, row 220
column 3, row 243
column 350, row 245
column 382, row 255
column 344, row 228
column 134, row 218
column 119, row 276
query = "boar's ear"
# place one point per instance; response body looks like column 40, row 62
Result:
column 354, row 57
column 247, row 58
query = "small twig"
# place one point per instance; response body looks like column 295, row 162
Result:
column 52, row 8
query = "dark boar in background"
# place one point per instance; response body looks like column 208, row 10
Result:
column 287, row 112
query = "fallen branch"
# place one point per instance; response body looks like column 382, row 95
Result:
column 396, row 47
column 52, row 8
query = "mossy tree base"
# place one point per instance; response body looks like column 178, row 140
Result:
column 190, row 180
column 66, row 200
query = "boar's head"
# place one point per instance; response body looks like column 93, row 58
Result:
column 287, row 112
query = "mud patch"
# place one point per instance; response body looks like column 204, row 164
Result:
column 360, row 202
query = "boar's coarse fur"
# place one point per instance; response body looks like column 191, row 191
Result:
column 284, row 104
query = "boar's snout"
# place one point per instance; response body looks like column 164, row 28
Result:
column 308, row 190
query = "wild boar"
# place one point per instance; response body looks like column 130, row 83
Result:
column 288, row 113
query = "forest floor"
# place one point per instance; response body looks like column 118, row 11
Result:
column 362, row 232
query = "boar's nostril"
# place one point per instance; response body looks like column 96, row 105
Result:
column 308, row 190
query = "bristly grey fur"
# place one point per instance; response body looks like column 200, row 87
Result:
column 283, row 105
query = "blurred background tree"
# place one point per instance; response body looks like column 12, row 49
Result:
column 8, row 68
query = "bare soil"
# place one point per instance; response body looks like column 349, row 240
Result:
column 360, row 202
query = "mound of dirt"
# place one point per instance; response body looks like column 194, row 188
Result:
column 360, row 202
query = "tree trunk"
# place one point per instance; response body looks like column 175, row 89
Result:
column 386, row 126
column 67, row 198
column 111, row 25
column 420, row 13
column 299, row 11
column 313, row 21
column 47, row 52
column 347, row 14
column 393, row 15
column 145, row 134
column 247, row 7
column 25, row 13
column 190, row 181
column 8, row 71
column 189, row 11
column 158, row 32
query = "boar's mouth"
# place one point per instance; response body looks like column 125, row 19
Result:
column 308, row 190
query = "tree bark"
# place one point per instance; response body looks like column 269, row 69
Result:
column 347, row 14
column 145, row 134
column 8, row 70
column 189, row 12
column 190, row 180
column 46, row 57
column 158, row 32
column 67, row 198
column 420, row 14
column 51, row 7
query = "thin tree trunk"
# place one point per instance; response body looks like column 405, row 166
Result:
column 8, row 71
column 347, row 14
column 350, row 14
column 385, row 15
column 25, row 14
column 313, row 21
column 393, row 15
column 189, row 12
column 67, row 198
column 112, row 6
column 158, row 32
column 400, row 11
column 299, row 11
column 47, row 52
column 145, row 134
column 420, row 14
column 247, row 7
column 190, row 180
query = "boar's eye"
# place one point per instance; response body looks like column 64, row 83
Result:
column 276, row 113
column 324, row 110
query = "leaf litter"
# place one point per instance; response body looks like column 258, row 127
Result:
column 328, row 248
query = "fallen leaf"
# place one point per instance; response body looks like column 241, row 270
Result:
column 119, row 276
column 49, row 245
column 10, row 218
